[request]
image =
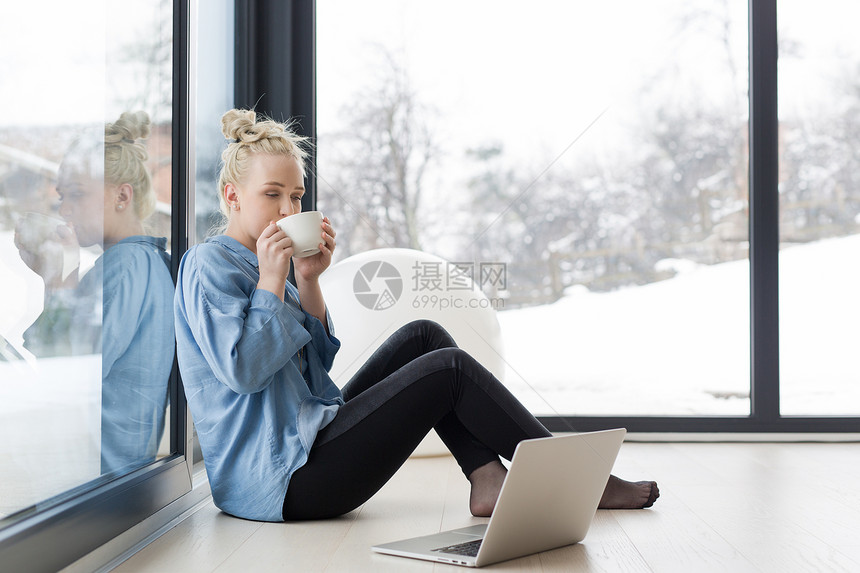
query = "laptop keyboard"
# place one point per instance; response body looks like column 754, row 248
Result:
column 469, row 548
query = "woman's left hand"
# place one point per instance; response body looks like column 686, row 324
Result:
column 310, row 268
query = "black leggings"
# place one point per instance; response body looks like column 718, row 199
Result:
column 417, row 380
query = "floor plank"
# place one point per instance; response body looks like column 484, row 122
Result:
column 606, row 549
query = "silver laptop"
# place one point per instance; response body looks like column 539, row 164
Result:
column 548, row 500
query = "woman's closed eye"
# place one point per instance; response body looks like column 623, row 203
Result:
column 70, row 195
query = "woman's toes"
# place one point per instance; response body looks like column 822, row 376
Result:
column 653, row 493
column 621, row 494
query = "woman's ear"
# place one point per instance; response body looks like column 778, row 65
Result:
column 124, row 195
column 231, row 196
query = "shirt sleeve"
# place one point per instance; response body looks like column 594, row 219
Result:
column 246, row 335
column 325, row 343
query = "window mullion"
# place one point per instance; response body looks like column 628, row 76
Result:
column 764, row 211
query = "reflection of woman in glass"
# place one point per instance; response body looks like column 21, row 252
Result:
column 122, row 306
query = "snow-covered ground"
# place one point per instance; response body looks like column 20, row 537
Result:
column 681, row 346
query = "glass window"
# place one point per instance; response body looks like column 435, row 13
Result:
column 599, row 160
column 819, row 191
column 86, row 324
column 215, row 71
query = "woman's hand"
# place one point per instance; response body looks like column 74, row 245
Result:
column 274, row 250
column 42, row 244
column 310, row 268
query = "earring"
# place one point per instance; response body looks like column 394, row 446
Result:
column 119, row 207
column 235, row 206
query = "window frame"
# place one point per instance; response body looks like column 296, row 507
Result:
column 765, row 416
column 64, row 529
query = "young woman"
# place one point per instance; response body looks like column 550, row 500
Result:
column 279, row 439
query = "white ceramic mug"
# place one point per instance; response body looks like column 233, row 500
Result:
column 304, row 229
column 39, row 233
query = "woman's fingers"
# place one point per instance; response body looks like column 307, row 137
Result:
column 328, row 235
column 274, row 250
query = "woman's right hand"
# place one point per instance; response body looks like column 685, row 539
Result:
column 42, row 244
column 274, row 251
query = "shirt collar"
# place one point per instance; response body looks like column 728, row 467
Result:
column 232, row 244
column 158, row 242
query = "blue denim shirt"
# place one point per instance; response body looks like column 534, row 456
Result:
column 137, row 349
column 256, row 400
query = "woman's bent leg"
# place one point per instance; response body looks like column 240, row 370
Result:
column 377, row 430
column 409, row 342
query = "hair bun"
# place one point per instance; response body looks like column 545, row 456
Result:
column 241, row 125
column 131, row 126
column 238, row 124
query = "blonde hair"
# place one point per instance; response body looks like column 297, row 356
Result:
column 249, row 137
column 126, row 157
column 111, row 152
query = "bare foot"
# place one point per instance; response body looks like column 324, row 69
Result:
column 620, row 494
column 486, row 483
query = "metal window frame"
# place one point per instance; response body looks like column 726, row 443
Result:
column 60, row 531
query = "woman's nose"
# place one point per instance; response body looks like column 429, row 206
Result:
column 288, row 208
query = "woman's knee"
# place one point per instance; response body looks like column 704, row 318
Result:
column 432, row 332
column 460, row 360
column 426, row 324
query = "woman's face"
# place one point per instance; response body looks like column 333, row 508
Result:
column 272, row 189
column 82, row 204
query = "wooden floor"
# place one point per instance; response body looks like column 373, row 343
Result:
column 724, row 507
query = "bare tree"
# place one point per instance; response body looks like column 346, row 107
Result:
column 372, row 172
column 819, row 166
